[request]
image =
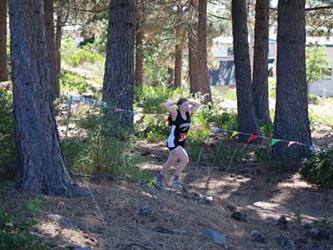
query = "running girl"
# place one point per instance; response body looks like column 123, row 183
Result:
column 180, row 120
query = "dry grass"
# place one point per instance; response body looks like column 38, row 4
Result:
column 110, row 220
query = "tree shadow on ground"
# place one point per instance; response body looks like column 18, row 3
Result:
column 266, row 194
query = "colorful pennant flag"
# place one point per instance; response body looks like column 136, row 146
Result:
column 118, row 110
column 313, row 148
column 274, row 141
column 292, row 143
column 252, row 138
column 234, row 134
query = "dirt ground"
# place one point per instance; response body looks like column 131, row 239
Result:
column 133, row 215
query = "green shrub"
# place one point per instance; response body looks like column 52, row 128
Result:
column 316, row 120
column 67, row 43
column 16, row 231
column 223, row 154
column 153, row 128
column 7, row 143
column 156, row 71
column 226, row 120
column 318, row 168
column 313, row 99
column 101, row 150
column 317, row 63
column 263, row 153
column 193, row 149
column 198, row 134
column 266, row 130
column 150, row 98
column 230, row 94
column 77, row 56
column 70, row 81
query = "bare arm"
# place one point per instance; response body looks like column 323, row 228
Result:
column 168, row 105
column 194, row 106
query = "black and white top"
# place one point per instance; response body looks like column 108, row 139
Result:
column 179, row 129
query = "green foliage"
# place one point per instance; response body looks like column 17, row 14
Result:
column 313, row 99
column 200, row 129
column 34, row 206
column 221, row 153
column 150, row 98
column 77, row 56
column 266, row 130
column 7, row 143
column 152, row 128
column 154, row 58
column 317, row 63
column 100, row 151
column 101, row 35
column 319, row 168
column 67, row 43
column 16, row 231
column 70, row 81
column 263, row 154
column 9, row 65
column 198, row 134
column 316, row 120
column 193, row 149
column 224, row 154
column 272, row 87
column 230, row 94
column 226, row 120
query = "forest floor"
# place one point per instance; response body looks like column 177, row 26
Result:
column 249, row 206
column 235, row 202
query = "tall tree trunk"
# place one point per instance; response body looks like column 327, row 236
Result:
column 193, row 49
column 118, row 78
column 138, row 58
column 193, row 59
column 178, row 57
column 247, row 121
column 58, row 38
column 291, row 112
column 39, row 158
column 260, row 69
column 202, row 51
column 3, row 41
column 51, row 47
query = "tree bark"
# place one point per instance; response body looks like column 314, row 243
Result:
column 138, row 58
column 58, row 38
column 291, row 112
column 3, row 41
column 118, row 78
column 51, row 47
column 202, row 51
column 260, row 69
column 193, row 49
column 193, row 59
column 40, row 163
column 178, row 58
column 247, row 121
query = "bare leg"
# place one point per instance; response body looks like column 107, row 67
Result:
column 171, row 160
column 183, row 158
